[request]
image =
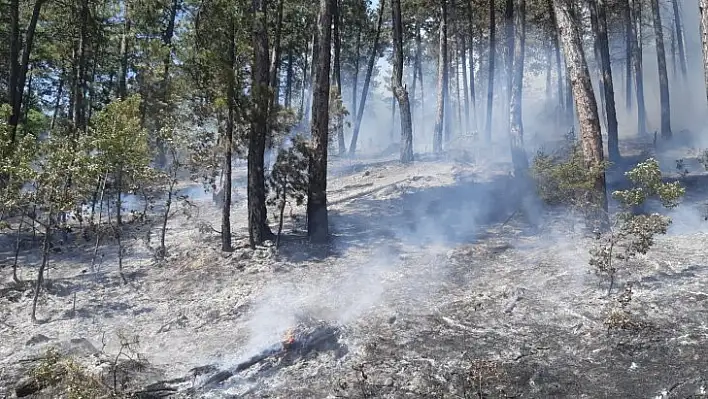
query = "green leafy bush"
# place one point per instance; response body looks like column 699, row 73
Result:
column 633, row 234
column 562, row 178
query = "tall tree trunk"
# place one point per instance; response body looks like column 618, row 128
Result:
column 419, row 60
column 490, row 85
column 20, row 67
column 473, row 94
column 442, row 81
column 81, row 60
column 258, row 229
column 455, row 72
column 15, row 43
column 311, row 78
column 57, row 102
column 585, row 104
column 274, row 82
column 598, row 60
column 338, row 74
column 397, row 85
column 549, row 71
column 672, row 37
column 124, row 38
column 679, row 37
column 637, row 65
column 416, row 57
column 508, row 53
column 518, row 154
column 569, row 107
column 289, row 78
column 303, row 84
column 93, row 88
column 557, row 50
column 317, row 218
column 167, row 37
column 167, row 41
column 122, row 94
column 703, row 9
column 367, row 80
column 465, row 88
column 392, row 125
column 355, row 77
column 630, row 36
column 43, row 266
column 229, row 143
column 607, row 83
column 663, row 75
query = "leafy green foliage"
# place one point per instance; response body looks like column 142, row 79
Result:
column 119, row 144
column 634, row 234
column 646, row 177
column 289, row 178
column 16, row 168
column 563, row 179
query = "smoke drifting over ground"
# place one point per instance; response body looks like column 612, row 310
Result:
column 432, row 267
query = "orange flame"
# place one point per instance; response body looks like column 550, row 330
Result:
column 289, row 338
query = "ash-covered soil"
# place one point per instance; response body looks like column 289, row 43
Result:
column 443, row 279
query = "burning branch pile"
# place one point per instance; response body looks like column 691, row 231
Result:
column 298, row 344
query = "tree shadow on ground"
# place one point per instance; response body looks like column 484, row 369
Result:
column 439, row 215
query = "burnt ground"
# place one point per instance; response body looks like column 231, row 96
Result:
column 443, row 279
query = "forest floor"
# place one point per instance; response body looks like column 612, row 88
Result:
column 444, row 279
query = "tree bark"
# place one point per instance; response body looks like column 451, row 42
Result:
column 473, row 94
column 367, row 80
column 518, row 154
column 289, row 78
column 57, row 102
column 508, row 52
column 636, row 37
column 338, row 73
column 663, row 75
column 419, row 60
column 311, row 78
column 399, row 90
column 594, row 24
column 607, row 82
column 274, row 82
column 549, row 71
column 679, row 37
column 557, row 49
column 465, row 88
column 167, row 37
column 81, row 60
column 43, row 265
column 258, row 229
column 317, row 218
column 442, row 81
column 303, row 83
column 229, row 142
column 14, row 54
column 124, row 38
column 630, row 36
column 672, row 36
column 490, row 85
column 355, row 77
column 585, row 103
column 20, row 67
column 703, row 9
column 416, row 60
